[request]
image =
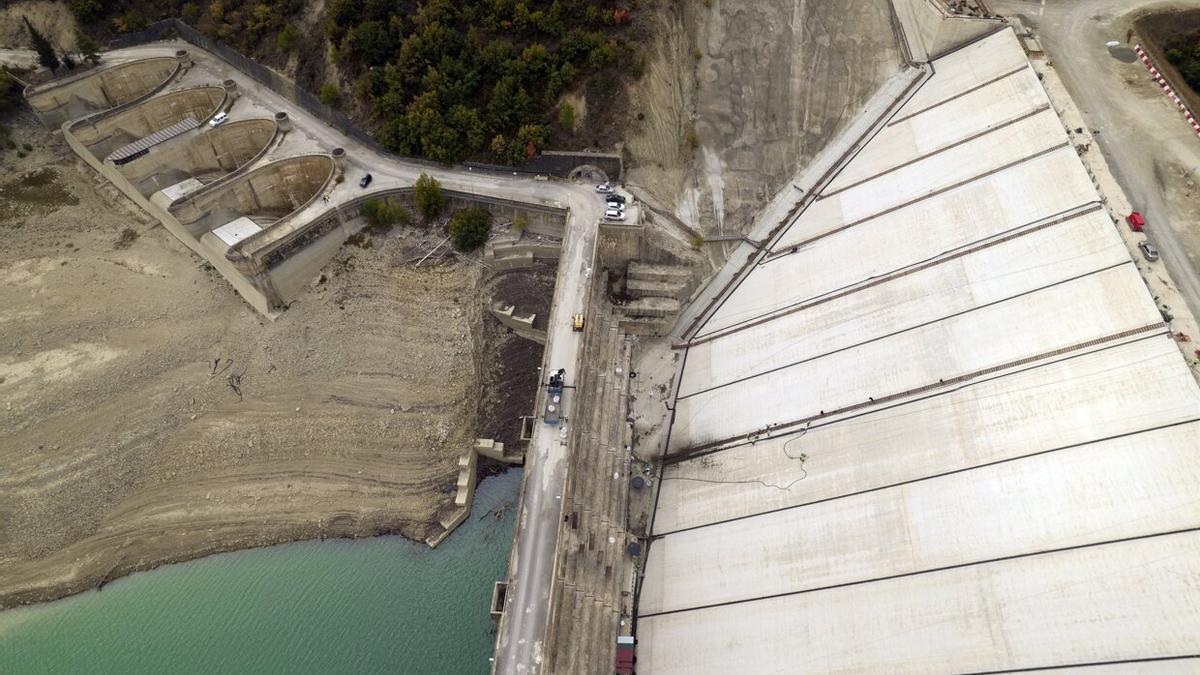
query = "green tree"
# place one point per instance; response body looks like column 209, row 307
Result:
column 88, row 48
column 42, row 46
column 10, row 93
column 329, row 94
column 566, row 116
column 288, row 38
column 469, row 228
column 86, row 11
column 428, row 197
column 372, row 43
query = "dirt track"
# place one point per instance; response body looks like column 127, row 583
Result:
column 121, row 449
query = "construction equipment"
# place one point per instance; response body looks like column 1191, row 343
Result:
column 577, row 323
column 554, row 392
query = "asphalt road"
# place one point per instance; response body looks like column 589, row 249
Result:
column 1136, row 132
column 527, row 604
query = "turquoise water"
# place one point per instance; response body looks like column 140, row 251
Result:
column 369, row 606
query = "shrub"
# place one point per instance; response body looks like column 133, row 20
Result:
column 520, row 222
column 329, row 94
column 428, row 197
column 382, row 214
column 469, row 228
column 566, row 116
column 288, row 38
column 690, row 138
column 126, row 238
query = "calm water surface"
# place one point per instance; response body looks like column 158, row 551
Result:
column 370, row 606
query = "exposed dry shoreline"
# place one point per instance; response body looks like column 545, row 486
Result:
column 120, row 447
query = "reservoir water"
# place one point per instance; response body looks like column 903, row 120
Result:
column 368, row 606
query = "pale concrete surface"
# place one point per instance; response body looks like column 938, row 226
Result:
column 993, row 420
column 949, row 433
column 1088, row 605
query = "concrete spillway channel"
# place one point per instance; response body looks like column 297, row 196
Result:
column 203, row 155
column 96, row 91
column 102, row 134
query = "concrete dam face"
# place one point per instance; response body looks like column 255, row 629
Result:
column 57, row 102
column 206, row 156
column 263, row 195
column 106, row 133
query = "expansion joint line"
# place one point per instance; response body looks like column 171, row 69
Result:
column 944, row 101
column 922, row 479
column 791, row 248
column 1089, row 664
column 909, row 329
column 937, row 151
column 784, row 427
column 933, row 570
column 803, row 305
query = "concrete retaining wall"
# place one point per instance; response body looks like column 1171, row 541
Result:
column 221, row 150
column 73, row 97
column 106, row 132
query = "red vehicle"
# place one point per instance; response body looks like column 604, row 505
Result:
column 625, row 655
column 1136, row 221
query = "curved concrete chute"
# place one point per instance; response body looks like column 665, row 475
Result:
column 96, row 91
column 263, row 195
column 102, row 134
column 206, row 156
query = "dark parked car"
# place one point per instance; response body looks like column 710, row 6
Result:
column 366, row 180
column 615, row 198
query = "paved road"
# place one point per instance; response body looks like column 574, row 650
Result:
column 519, row 644
column 1135, row 130
column 18, row 58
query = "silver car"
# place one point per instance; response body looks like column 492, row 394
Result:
column 1148, row 251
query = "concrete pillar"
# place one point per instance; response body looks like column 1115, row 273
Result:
column 184, row 59
column 283, row 121
column 231, row 91
column 339, row 159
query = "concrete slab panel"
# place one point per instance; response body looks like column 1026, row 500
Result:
column 1127, row 487
column 1081, row 399
column 968, row 67
column 926, row 176
column 1044, row 188
column 1102, row 304
column 1014, row 267
column 1090, row 605
column 981, row 111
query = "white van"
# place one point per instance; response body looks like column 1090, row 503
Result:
column 218, row 119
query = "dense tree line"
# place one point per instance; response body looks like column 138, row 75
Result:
column 442, row 79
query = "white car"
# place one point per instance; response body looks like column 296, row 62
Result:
column 603, row 188
column 218, row 119
column 614, row 214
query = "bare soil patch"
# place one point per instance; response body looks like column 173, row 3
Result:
column 124, row 446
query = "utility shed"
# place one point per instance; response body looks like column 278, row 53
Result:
column 942, row 428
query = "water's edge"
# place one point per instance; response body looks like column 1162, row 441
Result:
column 373, row 605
